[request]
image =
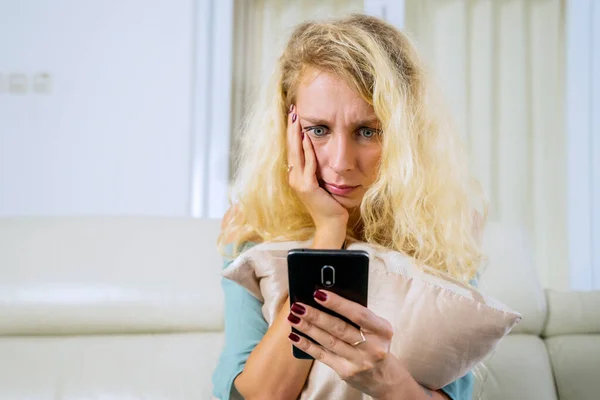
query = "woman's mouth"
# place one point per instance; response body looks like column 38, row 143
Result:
column 340, row 190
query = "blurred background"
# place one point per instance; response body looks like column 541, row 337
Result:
column 133, row 107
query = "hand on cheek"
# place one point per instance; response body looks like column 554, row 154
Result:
column 326, row 212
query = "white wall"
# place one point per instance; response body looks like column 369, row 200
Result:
column 113, row 135
column 583, row 132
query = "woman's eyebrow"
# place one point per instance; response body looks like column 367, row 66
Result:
column 314, row 120
column 321, row 121
column 367, row 122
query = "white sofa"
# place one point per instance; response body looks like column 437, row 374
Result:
column 131, row 308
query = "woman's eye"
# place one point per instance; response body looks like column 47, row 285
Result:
column 317, row 131
column 367, row 133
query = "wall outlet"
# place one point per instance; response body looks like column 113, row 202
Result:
column 17, row 83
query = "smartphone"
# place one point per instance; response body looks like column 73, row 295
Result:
column 344, row 272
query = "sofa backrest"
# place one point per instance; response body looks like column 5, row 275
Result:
column 70, row 275
column 105, row 307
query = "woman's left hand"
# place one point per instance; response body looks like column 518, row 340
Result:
column 367, row 366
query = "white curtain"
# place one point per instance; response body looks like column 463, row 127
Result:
column 500, row 64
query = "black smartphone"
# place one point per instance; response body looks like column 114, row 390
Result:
column 344, row 272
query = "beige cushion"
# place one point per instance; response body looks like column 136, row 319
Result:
column 124, row 367
column 446, row 327
column 573, row 312
column 518, row 368
column 576, row 363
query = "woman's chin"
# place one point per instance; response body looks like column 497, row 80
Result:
column 348, row 203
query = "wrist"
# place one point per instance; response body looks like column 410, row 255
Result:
column 403, row 385
column 329, row 236
column 409, row 389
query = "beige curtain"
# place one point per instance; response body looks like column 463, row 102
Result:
column 501, row 65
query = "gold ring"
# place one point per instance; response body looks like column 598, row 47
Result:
column 362, row 339
column 288, row 167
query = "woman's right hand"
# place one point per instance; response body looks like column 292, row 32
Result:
column 328, row 215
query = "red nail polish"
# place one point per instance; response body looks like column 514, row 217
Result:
column 302, row 135
column 294, row 337
column 293, row 319
column 298, row 309
column 322, row 296
column 294, row 118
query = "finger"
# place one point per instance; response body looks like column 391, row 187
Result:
column 316, row 320
column 360, row 315
column 288, row 134
column 295, row 151
column 319, row 353
column 338, row 345
column 310, row 160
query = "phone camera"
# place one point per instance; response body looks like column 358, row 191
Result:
column 328, row 276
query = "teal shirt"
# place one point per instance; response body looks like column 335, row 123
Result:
column 245, row 326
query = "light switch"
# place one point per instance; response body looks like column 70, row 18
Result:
column 42, row 83
column 17, row 83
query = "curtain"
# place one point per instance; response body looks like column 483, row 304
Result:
column 500, row 64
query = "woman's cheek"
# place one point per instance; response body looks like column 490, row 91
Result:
column 320, row 154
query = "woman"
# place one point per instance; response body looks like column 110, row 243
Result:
column 348, row 144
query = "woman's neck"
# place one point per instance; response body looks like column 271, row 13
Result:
column 355, row 223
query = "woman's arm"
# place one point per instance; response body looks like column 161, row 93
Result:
column 243, row 331
column 410, row 389
column 461, row 389
column 271, row 371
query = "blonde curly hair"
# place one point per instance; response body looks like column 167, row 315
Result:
column 422, row 202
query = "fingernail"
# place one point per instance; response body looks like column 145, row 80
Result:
column 291, row 108
column 293, row 319
column 322, row 296
column 298, row 309
column 294, row 338
column 302, row 135
column 294, row 117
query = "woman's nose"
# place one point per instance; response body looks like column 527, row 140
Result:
column 341, row 154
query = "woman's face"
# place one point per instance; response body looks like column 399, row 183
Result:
column 344, row 132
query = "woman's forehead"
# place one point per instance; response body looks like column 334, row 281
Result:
column 326, row 96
